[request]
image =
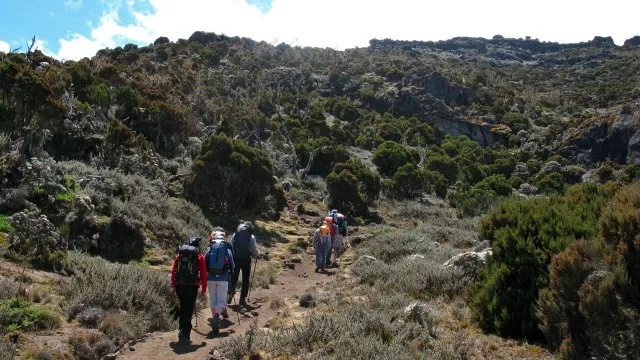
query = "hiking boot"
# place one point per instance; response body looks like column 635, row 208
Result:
column 225, row 313
column 243, row 301
column 215, row 324
column 182, row 339
column 317, row 269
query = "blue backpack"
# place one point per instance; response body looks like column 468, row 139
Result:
column 218, row 262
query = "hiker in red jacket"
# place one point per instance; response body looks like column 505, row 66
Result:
column 188, row 273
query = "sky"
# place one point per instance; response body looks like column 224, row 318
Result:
column 73, row 29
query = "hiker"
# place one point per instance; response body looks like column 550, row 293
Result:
column 321, row 242
column 341, row 223
column 219, row 234
column 244, row 248
column 220, row 266
column 187, row 274
column 333, row 230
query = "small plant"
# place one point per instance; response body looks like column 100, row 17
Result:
column 5, row 225
column 21, row 314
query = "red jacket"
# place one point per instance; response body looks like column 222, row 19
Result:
column 203, row 273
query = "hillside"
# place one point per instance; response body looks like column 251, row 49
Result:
column 108, row 163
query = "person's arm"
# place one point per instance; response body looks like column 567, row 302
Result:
column 203, row 273
column 314, row 240
column 173, row 270
column 231, row 262
column 254, row 247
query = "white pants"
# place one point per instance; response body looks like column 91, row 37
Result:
column 218, row 295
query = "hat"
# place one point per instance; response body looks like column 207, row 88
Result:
column 217, row 235
column 193, row 241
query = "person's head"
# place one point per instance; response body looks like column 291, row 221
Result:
column 217, row 235
column 193, row 241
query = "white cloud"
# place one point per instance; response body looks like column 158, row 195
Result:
column 4, row 46
column 350, row 23
column 73, row 4
column 106, row 34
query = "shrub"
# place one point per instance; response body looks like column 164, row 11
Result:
column 591, row 307
column 390, row 156
column 9, row 289
column 407, row 182
column 474, row 201
column 228, row 176
column 7, row 349
column 21, row 314
column 524, row 235
column 343, row 192
column 436, row 183
column 550, row 183
column 90, row 345
column 496, row 183
column 444, row 165
column 5, row 225
column 98, row 283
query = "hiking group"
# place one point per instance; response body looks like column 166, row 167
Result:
column 223, row 261
column 329, row 238
column 220, row 265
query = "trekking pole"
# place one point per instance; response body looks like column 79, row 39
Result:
column 236, row 305
column 255, row 265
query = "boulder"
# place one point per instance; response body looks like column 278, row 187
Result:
column 634, row 41
column 421, row 313
column 550, row 167
column 527, row 189
column 484, row 245
column 415, row 257
column 470, row 261
column 91, row 317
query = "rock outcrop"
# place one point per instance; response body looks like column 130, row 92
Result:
column 470, row 261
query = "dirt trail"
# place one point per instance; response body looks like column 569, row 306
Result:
column 290, row 283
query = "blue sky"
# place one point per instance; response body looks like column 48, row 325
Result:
column 71, row 29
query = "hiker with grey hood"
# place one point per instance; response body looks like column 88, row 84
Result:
column 245, row 247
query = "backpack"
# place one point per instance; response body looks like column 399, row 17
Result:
column 324, row 234
column 242, row 243
column 187, row 269
column 217, row 260
column 341, row 222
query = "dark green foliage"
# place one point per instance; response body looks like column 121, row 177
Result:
column 496, row 183
column 550, row 183
column 436, row 183
column 591, row 306
column 524, row 235
column 343, row 192
column 390, row 156
column 229, row 176
column 368, row 181
column 444, row 165
column 407, row 182
column 424, row 134
column 326, row 158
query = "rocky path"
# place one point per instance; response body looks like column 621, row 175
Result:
column 291, row 283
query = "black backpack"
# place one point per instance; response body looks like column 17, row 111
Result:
column 187, row 269
column 242, row 243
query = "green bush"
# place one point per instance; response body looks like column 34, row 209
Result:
column 591, row 306
column 407, row 182
column 444, row 165
column 344, row 193
column 229, row 176
column 390, row 156
column 524, row 235
column 497, row 184
column 436, row 183
column 550, row 183
column 5, row 225
column 21, row 314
